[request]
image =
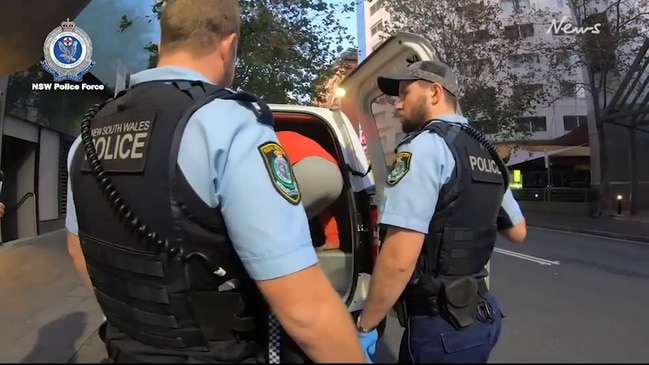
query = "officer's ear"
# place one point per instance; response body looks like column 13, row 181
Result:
column 228, row 46
column 436, row 93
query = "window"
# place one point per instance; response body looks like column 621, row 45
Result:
column 524, row 60
column 377, row 27
column 568, row 89
column 479, row 36
column 485, row 126
column 572, row 122
column 538, row 124
column 563, row 58
column 527, row 90
column 474, row 67
column 511, row 5
column 519, row 31
column 531, row 124
column 376, row 7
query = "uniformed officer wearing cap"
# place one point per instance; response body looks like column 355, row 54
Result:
column 444, row 203
column 186, row 220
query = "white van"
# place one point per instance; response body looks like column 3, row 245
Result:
column 356, row 210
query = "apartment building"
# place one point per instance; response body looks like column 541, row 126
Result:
column 565, row 115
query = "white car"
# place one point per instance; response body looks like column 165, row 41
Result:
column 356, row 209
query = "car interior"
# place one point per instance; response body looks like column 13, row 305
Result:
column 337, row 264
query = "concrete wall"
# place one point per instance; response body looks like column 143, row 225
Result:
column 19, row 155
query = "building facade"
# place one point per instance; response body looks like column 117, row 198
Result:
column 565, row 115
column 347, row 61
column 38, row 127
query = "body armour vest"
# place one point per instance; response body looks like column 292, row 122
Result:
column 161, row 263
column 462, row 232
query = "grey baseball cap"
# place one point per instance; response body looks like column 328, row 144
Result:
column 431, row 71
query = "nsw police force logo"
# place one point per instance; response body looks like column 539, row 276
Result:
column 68, row 53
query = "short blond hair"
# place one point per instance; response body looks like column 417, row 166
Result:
column 197, row 24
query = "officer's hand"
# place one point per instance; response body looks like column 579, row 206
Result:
column 2, row 210
column 368, row 342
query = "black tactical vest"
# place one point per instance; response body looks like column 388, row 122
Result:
column 462, row 232
column 160, row 260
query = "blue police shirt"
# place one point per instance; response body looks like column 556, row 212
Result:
column 219, row 157
column 410, row 203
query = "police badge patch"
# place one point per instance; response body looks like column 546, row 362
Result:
column 400, row 168
column 68, row 52
column 280, row 171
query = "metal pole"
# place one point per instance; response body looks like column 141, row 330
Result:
column 546, row 159
column 633, row 172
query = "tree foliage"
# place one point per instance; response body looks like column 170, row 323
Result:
column 287, row 47
column 469, row 36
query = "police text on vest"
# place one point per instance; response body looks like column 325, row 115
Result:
column 484, row 164
column 122, row 141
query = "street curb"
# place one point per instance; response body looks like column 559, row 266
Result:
column 593, row 232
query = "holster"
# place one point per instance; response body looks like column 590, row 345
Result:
column 460, row 299
column 402, row 312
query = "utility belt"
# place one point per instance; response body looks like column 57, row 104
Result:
column 459, row 302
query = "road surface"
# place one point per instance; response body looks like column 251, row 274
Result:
column 568, row 298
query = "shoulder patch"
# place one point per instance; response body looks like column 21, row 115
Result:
column 280, row 171
column 400, row 168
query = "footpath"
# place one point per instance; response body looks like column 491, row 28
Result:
column 47, row 316
column 633, row 228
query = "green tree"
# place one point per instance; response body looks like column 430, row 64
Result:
column 470, row 37
column 287, row 47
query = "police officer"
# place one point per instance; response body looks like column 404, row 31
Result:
column 445, row 200
column 185, row 216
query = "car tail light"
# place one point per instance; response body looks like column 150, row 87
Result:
column 374, row 229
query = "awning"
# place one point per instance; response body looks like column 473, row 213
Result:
column 518, row 155
column 577, row 137
column 24, row 24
